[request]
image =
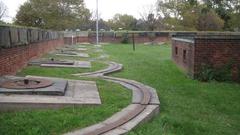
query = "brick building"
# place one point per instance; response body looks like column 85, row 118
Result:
column 193, row 50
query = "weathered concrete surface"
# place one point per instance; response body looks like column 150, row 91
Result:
column 84, row 55
column 47, row 62
column 58, row 88
column 77, row 64
column 145, row 105
column 74, row 96
column 81, row 49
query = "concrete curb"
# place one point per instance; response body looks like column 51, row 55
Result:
column 145, row 105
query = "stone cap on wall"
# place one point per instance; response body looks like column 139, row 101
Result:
column 190, row 37
column 11, row 36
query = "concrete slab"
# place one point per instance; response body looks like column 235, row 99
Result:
column 77, row 64
column 81, row 49
column 38, row 62
column 74, row 96
column 148, row 113
column 117, row 131
column 58, row 88
column 47, row 62
column 85, row 131
column 122, row 114
column 84, row 55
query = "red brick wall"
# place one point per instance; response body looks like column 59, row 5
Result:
column 218, row 52
column 187, row 63
column 14, row 59
column 119, row 39
column 215, row 52
column 70, row 40
column 82, row 40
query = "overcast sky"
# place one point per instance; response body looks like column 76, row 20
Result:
column 107, row 8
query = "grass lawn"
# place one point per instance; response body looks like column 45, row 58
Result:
column 188, row 107
column 52, row 122
column 59, row 72
column 45, row 122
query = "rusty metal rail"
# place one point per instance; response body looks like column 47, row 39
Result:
column 145, row 100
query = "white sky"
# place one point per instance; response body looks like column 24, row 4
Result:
column 107, row 8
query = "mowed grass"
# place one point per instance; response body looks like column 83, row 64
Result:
column 52, row 122
column 188, row 107
column 59, row 72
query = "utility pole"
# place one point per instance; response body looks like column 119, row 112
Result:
column 97, row 41
column 133, row 41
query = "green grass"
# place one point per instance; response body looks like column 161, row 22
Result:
column 45, row 122
column 65, row 72
column 51, row 122
column 59, row 72
column 188, row 107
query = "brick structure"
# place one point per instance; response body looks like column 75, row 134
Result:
column 19, row 45
column 192, row 51
column 115, row 37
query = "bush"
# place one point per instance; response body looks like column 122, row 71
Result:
column 208, row 72
column 125, row 38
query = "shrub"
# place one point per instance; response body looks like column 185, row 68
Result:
column 208, row 72
column 125, row 38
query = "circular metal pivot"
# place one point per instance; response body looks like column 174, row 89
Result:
column 28, row 83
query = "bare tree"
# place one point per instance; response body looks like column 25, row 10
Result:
column 150, row 18
column 3, row 10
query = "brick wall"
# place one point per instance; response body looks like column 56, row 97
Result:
column 116, row 37
column 216, row 50
column 70, row 40
column 14, row 59
column 183, row 55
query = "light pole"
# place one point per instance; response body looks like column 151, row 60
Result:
column 97, row 42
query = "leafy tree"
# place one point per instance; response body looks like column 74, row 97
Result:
column 126, row 22
column 54, row 14
column 102, row 25
column 189, row 15
column 234, row 22
column 210, row 21
column 225, row 9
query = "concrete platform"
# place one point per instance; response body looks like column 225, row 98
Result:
column 43, row 62
column 72, row 49
column 145, row 105
column 81, row 49
column 77, row 64
column 73, row 54
column 57, row 88
column 78, row 93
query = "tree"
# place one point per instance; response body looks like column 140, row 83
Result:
column 54, row 14
column 178, row 14
column 126, row 22
column 189, row 15
column 210, row 21
column 234, row 22
column 3, row 10
column 225, row 9
column 102, row 25
column 150, row 20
